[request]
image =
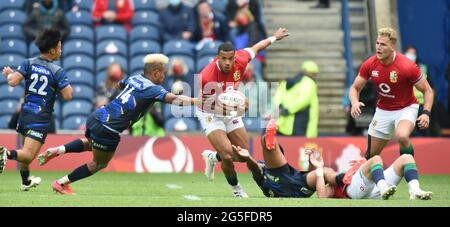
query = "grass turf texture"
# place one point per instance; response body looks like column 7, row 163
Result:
column 186, row 190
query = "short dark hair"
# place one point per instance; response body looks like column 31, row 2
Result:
column 48, row 39
column 227, row 46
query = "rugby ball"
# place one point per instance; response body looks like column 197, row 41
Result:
column 232, row 98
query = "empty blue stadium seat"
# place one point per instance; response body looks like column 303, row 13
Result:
column 145, row 32
column 11, row 31
column 4, row 121
column 81, row 76
column 78, row 46
column 80, row 31
column 12, row 4
column 8, row 92
column 257, row 69
column 178, row 47
column 13, row 46
column 112, row 46
column 203, row 62
column 83, row 92
column 8, row 106
column 84, row 4
column 76, row 107
column 81, row 17
column 208, row 49
column 78, row 61
column 170, row 111
column 252, row 124
column 219, row 5
column 12, row 16
column 33, row 50
column 11, row 60
column 101, row 77
column 111, row 32
column 74, row 122
column 57, row 110
column 145, row 18
column 180, row 125
column 145, row 5
column 137, row 64
column 106, row 60
column 144, row 47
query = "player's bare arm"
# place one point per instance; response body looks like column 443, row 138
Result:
column 67, row 93
column 13, row 77
column 263, row 44
column 181, row 100
column 424, row 119
column 322, row 190
column 354, row 92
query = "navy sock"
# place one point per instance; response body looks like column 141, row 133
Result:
column 75, row 146
column 79, row 173
column 218, row 157
column 25, row 174
column 377, row 172
column 410, row 171
column 12, row 155
column 232, row 180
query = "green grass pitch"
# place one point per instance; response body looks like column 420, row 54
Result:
column 186, row 190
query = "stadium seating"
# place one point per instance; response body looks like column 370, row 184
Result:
column 77, row 46
column 8, row 92
column 8, row 106
column 111, row 32
column 208, row 49
column 84, row 4
column 74, row 122
column 11, row 31
column 13, row 46
column 83, row 92
column 145, row 32
column 78, row 61
column 170, row 111
column 81, row 17
column 219, row 5
column 178, row 47
column 203, row 62
column 33, row 50
column 106, row 60
column 188, row 60
column 142, row 47
column 180, row 124
column 147, row 5
column 137, row 64
column 57, row 110
column 111, row 47
column 81, row 76
column 11, row 16
column 76, row 107
column 101, row 77
column 4, row 121
column 12, row 4
column 252, row 124
column 79, row 31
column 145, row 18
column 11, row 60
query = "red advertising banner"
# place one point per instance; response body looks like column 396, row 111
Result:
column 183, row 154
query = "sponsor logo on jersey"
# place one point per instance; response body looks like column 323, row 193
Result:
column 374, row 73
column 237, row 75
column 393, row 77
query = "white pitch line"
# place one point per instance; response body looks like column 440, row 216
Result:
column 192, row 197
column 173, row 186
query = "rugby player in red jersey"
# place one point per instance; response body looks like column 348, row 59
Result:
column 223, row 125
column 394, row 76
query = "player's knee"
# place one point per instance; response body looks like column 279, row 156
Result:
column 227, row 157
column 407, row 158
column 377, row 159
column 402, row 138
column 97, row 166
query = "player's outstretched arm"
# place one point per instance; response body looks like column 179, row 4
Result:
column 181, row 100
column 13, row 77
column 353, row 95
column 263, row 44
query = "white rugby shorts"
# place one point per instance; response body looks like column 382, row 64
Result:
column 384, row 122
column 211, row 122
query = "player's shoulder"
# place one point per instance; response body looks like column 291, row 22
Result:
column 209, row 69
column 404, row 61
column 370, row 61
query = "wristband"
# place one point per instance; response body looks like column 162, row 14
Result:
column 319, row 172
column 426, row 112
column 272, row 39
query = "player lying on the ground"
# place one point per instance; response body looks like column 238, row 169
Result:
column 366, row 179
column 106, row 123
column 278, row 178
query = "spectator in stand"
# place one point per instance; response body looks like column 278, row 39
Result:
column 174, row 21
column 247, row 32
column 255, row 8
column 151, row 124
column 107, row 90
column 208, row 25
column 179, row 80
column 64, row 5
column 46, row 15
column 113, row 12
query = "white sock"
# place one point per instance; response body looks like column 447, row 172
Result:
column 61, row 149
column 382, row 184
column 213, row 156
column 64, row 180
column 413, row 186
